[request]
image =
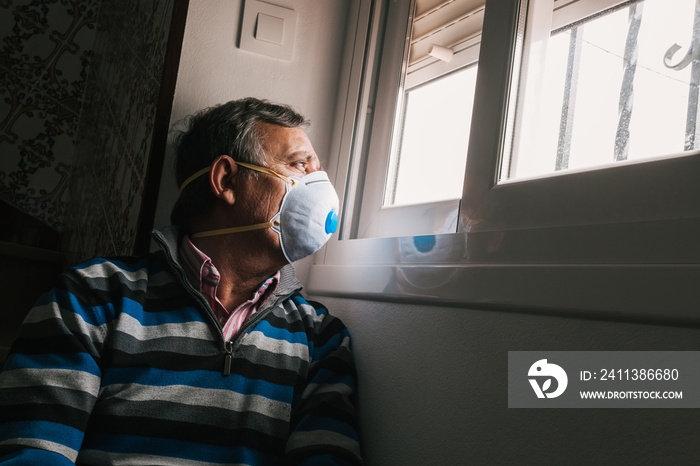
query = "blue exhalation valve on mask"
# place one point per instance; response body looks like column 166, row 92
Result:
column 331, row 222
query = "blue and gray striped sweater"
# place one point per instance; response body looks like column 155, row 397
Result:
column 123, row 362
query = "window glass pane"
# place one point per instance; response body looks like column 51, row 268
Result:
column 612, row 89
column 428, row 164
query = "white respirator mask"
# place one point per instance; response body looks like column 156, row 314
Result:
column 307, row 217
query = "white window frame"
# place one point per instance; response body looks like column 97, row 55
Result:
column 613, row 242
column 383, row 109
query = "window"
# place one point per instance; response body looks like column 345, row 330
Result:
column 658, row 189
column 428, row 162
column 421, row 93
column 610, row 89
column 596, row 237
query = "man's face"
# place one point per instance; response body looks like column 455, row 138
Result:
column 288, row 152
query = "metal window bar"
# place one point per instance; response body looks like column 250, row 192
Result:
column 626, row 101
column 692, row 130
column 566, row 123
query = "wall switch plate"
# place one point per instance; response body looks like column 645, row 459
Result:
column 268, row 29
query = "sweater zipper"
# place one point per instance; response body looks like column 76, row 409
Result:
column 228, row 358
column 257, row 317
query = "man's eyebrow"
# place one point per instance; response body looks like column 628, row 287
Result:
column 296, row 154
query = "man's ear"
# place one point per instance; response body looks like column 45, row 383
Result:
column 222, row 179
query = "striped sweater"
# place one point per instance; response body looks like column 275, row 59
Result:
column 123, row 362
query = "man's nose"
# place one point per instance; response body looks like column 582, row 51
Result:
column 313, row 166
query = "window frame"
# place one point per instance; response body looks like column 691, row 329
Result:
column 393, row 78
column 626, row 249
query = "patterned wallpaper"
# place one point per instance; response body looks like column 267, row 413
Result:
column 45, row 52
column 80, row 169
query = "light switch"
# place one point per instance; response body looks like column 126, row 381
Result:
column 268, row 29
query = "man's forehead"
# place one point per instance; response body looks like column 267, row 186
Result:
column 282, row 142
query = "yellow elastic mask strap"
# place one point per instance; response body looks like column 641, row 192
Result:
column 194, row 177
column 257, row 168
column 225, row 231
column 260, row 169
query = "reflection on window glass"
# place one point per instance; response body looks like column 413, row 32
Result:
column 428, row 164
column 614, row 88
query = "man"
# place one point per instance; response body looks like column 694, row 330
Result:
column 204, row 352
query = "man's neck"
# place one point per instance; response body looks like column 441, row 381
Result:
column 242, row 269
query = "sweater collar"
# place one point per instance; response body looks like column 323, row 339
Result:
column 168, row 239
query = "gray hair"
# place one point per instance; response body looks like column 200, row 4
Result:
column 230, row 129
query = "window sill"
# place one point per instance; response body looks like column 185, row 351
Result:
column 620, row 292
column 618, row 271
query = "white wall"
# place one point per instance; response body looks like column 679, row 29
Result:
column 214, row 70
column 433, row 390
